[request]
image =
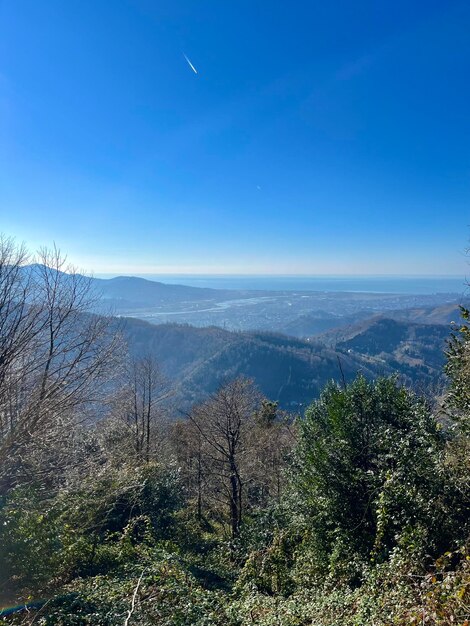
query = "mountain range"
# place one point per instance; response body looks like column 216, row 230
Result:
column 288, row 370
column 345, row 336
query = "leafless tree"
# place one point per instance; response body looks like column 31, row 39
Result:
column 191, row 451
column 225, row 423
column 20, row 325
column 55, row 355
column 232, row 452
column 141, row 405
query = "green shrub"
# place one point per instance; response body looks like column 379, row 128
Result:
column 96, row 527
column 370, row 475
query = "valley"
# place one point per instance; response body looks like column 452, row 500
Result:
column 297, row 313
column 290, row 343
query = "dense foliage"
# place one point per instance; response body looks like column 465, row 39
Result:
column 355, row 513
column 370, row 458
column 458, row 369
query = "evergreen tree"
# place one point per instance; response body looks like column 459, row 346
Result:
column 369, row 473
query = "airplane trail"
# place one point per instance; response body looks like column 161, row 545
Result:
column 190, row 64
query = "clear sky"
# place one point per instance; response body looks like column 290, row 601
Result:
column 316, row 137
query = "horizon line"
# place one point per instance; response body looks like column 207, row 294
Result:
column 286, row 275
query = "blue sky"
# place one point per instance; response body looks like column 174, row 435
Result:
column 317, row 137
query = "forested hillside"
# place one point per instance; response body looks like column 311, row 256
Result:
column 287, row 370
column 415, row 351
column 290, row 371
column 113, row 512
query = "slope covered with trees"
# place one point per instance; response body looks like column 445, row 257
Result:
column 237, row 513
column 288, row 370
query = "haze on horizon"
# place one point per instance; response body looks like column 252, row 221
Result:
column 209, row 138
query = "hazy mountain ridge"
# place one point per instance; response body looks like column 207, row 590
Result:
column 289, row 370
column 200, row 359
column 300, row 314
column 296, row 313
column 136, row 292
column 131, row 290
column 310, row 325
column 442, row 314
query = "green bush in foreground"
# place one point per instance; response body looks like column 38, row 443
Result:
column 94, row 527
column 371, row 532
column 371, row 477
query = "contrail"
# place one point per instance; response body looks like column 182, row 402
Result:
column 190, row 64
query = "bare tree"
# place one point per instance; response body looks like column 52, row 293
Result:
column 141, row 404
column 55, row 355
column 20, row 326
column 76, row 351
column 224, row 423
column 191, row 451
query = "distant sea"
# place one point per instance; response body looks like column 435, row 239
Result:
column 418, row 285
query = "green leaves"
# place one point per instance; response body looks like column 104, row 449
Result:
column 458, row 371
column 369, row 469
